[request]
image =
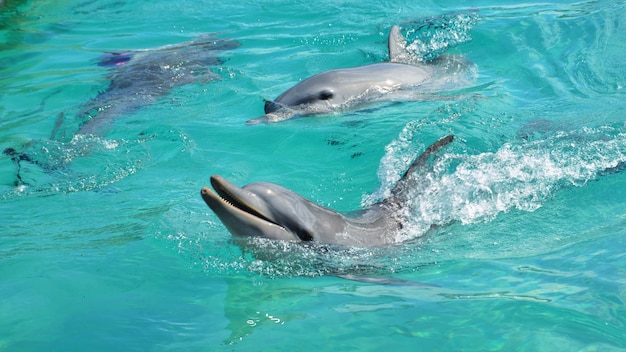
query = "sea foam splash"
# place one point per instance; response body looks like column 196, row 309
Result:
column 519, row 175
column 428, row 38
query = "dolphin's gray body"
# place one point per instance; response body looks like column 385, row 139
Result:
column 138, row 78
column 401, row 79
column 271, row 211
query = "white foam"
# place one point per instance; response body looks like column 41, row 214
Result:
column 520, row 175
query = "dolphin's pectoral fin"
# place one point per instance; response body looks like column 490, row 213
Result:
column 397, row 46
column 57, row 127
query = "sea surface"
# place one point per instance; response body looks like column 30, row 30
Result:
column 516, row 242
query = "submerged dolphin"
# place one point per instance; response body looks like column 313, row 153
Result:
column 137, row 78
column 268, row 210
column 348, row 88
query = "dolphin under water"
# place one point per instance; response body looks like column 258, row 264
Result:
column 401, row 79
column 271, row 211
column 137, row 79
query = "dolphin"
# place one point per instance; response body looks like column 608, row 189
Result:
column 271, row 211
column 137, row 79
column 400, row 79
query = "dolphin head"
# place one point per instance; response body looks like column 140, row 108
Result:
column 315, row 95
column 317, row 92
column 268, row 210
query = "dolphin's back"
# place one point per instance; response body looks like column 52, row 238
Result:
column 386, row 74
column 355, row 80
column 139, row 78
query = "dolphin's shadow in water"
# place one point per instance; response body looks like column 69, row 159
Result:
column 261, row 305
column 137, row 79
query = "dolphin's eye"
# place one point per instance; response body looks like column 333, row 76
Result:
column 326, row 95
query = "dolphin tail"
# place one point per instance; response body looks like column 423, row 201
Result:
column 17, row 159
column 30, row 153
column 404, row 185
column 21, row 156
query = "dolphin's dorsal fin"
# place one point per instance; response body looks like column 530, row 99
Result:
column 404, row 185
column 420, row 162
column 397, row 46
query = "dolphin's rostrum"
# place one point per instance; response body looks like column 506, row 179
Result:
column 271, row 211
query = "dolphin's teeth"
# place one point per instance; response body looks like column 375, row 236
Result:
column 233, row 201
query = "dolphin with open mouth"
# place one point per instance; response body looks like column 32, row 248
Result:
column 400, row 79
column 271, row 211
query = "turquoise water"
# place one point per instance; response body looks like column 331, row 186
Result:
column 115, row 250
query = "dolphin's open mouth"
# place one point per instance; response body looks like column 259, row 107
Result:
column 228, row 199
column 245, row 213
